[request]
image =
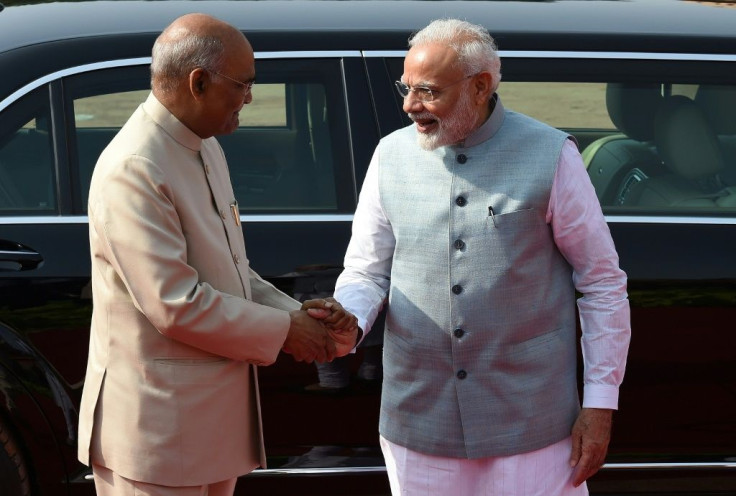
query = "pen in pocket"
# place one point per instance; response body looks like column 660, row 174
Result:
column 492, row 216
column 235, row 211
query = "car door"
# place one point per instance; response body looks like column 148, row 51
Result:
column 44, row 294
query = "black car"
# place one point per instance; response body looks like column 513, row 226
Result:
column 648, row 88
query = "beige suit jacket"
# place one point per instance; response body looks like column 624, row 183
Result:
column 179, row 320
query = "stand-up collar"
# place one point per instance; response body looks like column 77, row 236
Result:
column 489, row 128
column 173, row 126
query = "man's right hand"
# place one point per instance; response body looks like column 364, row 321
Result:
column 308, row 340
column 342, row 326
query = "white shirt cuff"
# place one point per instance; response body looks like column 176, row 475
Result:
column 600, row 396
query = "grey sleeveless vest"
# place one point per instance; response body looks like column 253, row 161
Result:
column 479, row 348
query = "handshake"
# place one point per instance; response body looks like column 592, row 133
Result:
column 321, row 331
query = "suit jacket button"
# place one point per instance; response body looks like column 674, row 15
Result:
column 460, row 201
column 236, row 257
column 457, row 289
column 461, row 374
column 459, row 244
column 458, row 333
column 462, row 158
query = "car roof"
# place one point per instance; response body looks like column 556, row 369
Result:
column 45, row 39
column 650, row 25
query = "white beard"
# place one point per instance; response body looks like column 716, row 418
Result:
column 452, row 129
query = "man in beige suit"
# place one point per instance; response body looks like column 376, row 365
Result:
column 170, row 403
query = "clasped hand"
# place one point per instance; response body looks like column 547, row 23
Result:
column 321, row 331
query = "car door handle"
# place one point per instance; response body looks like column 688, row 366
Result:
column 15, row 256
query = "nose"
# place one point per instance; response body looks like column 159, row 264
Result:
column 412, row 104
column 248, row 97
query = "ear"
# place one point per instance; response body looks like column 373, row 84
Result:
column 198, row 82
column 483, row 87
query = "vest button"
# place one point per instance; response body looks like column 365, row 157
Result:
column 460, row 201
column 459, row 244
column 458, row 333
column 462, row 158
column 461, row 374
column 457, row 289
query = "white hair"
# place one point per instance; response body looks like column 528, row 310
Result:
column 475, row 47
column 174, row 57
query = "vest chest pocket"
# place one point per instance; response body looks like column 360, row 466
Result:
column 517, row 220
column 515, row 235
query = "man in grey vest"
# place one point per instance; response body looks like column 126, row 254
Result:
column 479, row 224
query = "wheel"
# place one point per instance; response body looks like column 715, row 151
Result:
column 13, row 474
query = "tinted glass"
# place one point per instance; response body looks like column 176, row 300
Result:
column 97, row 119
column 27, row 178
column 657, row 137
column 290, row 153
column 100, row 102
column 282, row 156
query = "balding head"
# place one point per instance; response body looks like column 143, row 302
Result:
column 199, row 72
column 191, row 41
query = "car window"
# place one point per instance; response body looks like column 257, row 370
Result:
column 569, row 105
column 107, row 111
column 26, row 166
column 649, row 147
column 97, row 119
column 662, row 142
column 283, row 155
column 99, row 103
column 290, row 153
column 268, row 108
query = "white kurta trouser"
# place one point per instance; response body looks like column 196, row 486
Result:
column 545, row 472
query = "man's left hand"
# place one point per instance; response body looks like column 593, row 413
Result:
column 342, row 326
column 590, row 437
column 331, row 313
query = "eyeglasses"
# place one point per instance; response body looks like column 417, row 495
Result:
column 246, row 86
column 425, row 93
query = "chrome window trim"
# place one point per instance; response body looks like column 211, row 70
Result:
column 261, row 218
column 70, row 71
column 330, row 54
column 728, row 465
column 382, row 469
column 255, row 218
column 525, row 54
column 662, row 219
column 704, row 57
column 383, row 53
column 270, row 472
column 296, row 218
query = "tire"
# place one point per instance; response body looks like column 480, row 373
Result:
column 13, row 474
